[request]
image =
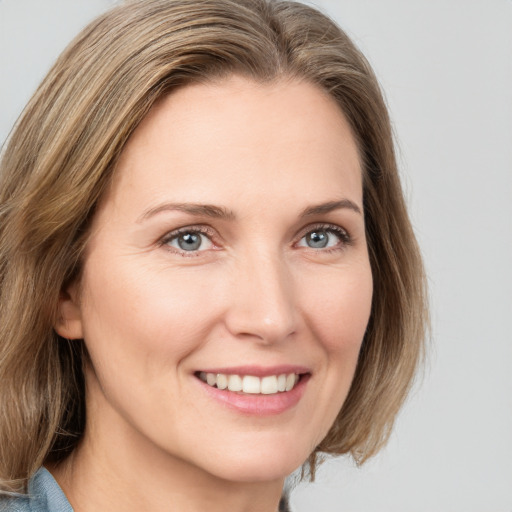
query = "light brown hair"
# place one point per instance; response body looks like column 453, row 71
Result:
column 61, row 156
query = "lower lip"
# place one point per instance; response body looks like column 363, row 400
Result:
column 258, row 404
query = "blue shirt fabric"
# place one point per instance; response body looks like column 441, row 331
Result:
column 44, row 495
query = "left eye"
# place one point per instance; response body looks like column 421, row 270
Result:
column 320, row 239
column 189, row 241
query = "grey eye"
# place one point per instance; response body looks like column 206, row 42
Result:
column 324, row 238
column 317, row 239
column 190, row 241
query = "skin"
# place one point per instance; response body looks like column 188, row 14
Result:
column 255, row 292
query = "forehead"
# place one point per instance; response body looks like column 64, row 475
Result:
column 236, row 138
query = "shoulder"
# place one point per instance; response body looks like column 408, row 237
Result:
column 44, row 495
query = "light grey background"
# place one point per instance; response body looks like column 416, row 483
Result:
column 446, row 67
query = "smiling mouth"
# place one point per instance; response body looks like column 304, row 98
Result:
column 250, row 384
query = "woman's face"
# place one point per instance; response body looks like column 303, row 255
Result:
column 229, row 249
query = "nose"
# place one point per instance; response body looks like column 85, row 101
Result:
column 262, row 300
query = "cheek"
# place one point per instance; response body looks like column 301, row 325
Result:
column 144, row 315
column 139, row 326
column 338, row 308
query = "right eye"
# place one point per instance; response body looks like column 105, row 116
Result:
column 326, row 237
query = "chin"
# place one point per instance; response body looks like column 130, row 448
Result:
column 259, row 464
column 249, row 472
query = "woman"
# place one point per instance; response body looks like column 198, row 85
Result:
column 208, row 275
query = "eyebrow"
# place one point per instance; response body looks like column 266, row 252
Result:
column 198, row 210
column 331, row 206
column 219, row 212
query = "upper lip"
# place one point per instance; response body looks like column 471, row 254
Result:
column 258, row 371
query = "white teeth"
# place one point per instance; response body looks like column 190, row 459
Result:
column 290, row 381
column 269, row 385
column 222, row 381
column 235, row 383
column 281, row 382
column 250, row 384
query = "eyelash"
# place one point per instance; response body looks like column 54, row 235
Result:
column 341, row 233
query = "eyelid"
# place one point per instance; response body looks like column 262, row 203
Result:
column 322, row 225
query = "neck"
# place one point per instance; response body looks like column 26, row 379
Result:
column 122, row 475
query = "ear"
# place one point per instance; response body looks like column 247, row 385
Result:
column 69, row 321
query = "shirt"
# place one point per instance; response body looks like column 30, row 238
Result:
column 44, row 495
